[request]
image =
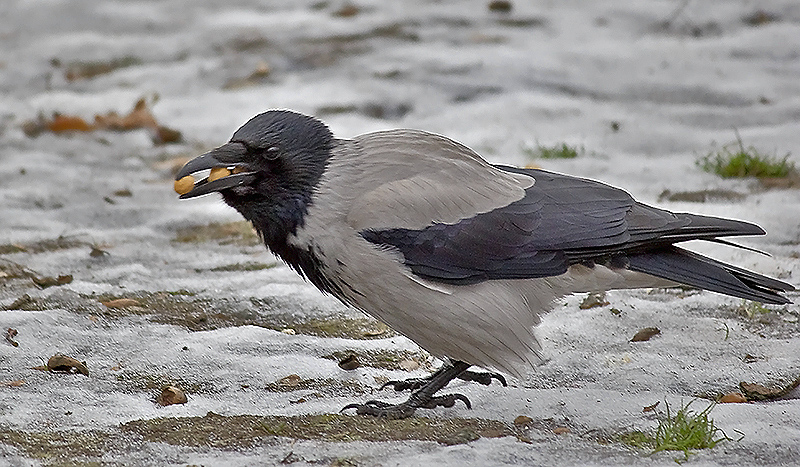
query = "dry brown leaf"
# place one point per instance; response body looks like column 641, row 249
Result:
column 733, row 398
column 12, row 384
column 139, row 117
column 65, row 364
column 650, row 408
column 757, row 392
column 11, row 333
column 62, row 123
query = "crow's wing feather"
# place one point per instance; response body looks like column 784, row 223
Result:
column 564, row 220
column 560, row 221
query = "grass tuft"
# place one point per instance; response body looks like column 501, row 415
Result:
column 557, row 151
column 684, row 430
column 734, row 160
column 753, row 310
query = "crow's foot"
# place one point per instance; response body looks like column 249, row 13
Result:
column 422, row 397
column 406, row 409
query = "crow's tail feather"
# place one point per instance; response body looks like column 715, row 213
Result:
column 686, row 267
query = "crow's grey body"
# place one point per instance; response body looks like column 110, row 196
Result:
column 458, row 255
column 413, row 180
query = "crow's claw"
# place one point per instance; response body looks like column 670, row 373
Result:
column 482, row 378
column 411, row 383
column 406, row 409
column 447, row 400
column 382, row 409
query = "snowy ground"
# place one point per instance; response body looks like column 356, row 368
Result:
column 645, row 86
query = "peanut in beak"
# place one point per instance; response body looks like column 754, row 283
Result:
column 184, row 185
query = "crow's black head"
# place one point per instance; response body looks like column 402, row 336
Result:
column 268, row 171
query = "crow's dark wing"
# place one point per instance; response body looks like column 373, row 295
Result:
column 561, row 221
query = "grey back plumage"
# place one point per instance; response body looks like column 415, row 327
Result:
column 417, row 178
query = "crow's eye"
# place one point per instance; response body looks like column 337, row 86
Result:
column 272, row 153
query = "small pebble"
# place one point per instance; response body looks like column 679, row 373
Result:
column 172, row 395
column 350, row 362
column 645, row 334
column 522, row 420
column 500, row 6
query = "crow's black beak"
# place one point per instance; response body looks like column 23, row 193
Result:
column 227, row 156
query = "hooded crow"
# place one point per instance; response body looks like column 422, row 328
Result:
column 459, row 255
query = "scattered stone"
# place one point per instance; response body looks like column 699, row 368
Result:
column 64, row 364
column 97, row 252
column 561, row 430
column 522, row 420
column 760, row 18
column 172, row 395
column 379, row 330
column 47, row 281
column 501, row 6
column 347, row 10
column 409, row 365
column 645, row 334
column 749, row 359
column 290, row 381
column 593, row 300
column 349, row 363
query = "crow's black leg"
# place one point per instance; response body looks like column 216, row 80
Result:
column 422, row 397
column 467, row 375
